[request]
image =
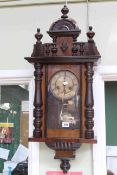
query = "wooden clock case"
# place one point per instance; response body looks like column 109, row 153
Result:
column 65, row 53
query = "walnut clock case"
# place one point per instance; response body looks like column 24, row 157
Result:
column 63, row 102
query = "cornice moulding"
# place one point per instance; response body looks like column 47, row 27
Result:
column 25, row 3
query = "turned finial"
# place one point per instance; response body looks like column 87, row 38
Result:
column 64, row 11
column 38, row 36
column 90, row 34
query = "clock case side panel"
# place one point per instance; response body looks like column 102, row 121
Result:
column 44, row 102
column 83, row 94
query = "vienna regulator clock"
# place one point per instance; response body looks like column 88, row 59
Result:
column 63, row 102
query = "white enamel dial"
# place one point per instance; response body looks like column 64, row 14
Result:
column 64, row 85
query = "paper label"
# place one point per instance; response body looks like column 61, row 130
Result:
column 61, row 173
column 65, row 124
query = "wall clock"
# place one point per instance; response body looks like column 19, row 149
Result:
column 63, row 102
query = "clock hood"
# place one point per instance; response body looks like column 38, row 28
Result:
column 64, row 26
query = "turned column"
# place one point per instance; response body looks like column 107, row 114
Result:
column 37, row 133
column 89, row 111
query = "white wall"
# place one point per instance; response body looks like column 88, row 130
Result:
column 18, row 25
column 103, row 17
column 17, row 29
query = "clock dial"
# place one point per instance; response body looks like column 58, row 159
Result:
column 64, row 85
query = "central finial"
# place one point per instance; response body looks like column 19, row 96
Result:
column 64, row 11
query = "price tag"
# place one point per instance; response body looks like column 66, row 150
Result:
column 65, row 124
column 61, row 173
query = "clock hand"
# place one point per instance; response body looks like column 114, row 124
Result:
column 65, row 83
